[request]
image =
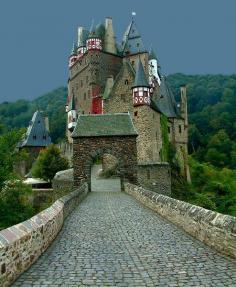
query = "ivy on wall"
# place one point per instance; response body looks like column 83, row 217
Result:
column 165, row 140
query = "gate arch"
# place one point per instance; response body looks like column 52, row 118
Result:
column 96, row 135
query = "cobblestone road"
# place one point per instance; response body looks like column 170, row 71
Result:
column 112, row 240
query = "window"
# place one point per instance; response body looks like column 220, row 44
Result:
column 81, row 83
column 89, row 94
column 44, row 137
column 137, row 44
column 135, row 114
column 148, row 174
column 180, row 129
column 84, row 96
column 83, row 112
column 126, row 82
column 169, row 130
column 145, row 93
column 132, row 63
column 38, row 122
column 34, row 137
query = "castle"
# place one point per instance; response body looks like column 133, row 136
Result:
column 106, row 77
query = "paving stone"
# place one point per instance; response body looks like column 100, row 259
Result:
column 110, row 239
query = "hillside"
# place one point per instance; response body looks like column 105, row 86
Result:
column 19, row 113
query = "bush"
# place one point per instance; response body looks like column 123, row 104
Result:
column 48, row 163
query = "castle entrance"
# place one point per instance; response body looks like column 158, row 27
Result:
column 100, row 141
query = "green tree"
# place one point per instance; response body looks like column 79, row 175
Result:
column 14, row 203
column 48, row 163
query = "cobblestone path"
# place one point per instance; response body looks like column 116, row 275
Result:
column 112, row 240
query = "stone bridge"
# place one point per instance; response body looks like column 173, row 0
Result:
column 112, row 239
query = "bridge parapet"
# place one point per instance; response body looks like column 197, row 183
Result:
column 214, row 229
column 23, row 243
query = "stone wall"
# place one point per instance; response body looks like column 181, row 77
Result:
column 86, row 150
column 214, row 229
column 22, row 244
column 155, row 176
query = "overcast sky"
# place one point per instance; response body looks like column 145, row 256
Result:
column 36, row 36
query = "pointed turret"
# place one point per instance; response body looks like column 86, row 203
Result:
column 140, row 77
column 109, row 39
column 154, row 69
column 73, row 55
column 94, row 42
column 141, row 88
column 82, row 37
column 72, row 114
column 132, row 42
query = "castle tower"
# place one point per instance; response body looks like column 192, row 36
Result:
column 73, row 55
column 183, row 105
column 94, row 42
column 82, row 37
column 140, row 88
column 109, row 39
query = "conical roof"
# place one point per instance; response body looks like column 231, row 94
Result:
column 93, row 33
column 100, row 30
column 152, row 55
column 140, row 77
column 132, row 42
column 74, row 49
column 82, row 36
column 37, row 134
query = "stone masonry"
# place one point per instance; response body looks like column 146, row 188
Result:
column 214, row 229
column 86, row 150
column 110, row 239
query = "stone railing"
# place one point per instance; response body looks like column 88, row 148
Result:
column 214, row 229
column 22, row 244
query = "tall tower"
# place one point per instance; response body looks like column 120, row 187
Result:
column 73, row 55
column 82, row 36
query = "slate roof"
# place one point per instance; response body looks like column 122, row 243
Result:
column 104, row 125
column 166, row 101
column 36, row 134
column 140, row 77
column 82, row 38
column 152, row 55
column 132, row 42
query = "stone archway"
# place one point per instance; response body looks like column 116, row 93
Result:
column 96, row 135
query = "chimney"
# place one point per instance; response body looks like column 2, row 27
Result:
column 109, row 39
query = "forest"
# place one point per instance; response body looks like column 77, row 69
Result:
column 212, row 135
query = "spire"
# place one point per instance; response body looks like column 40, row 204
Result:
column 132, row 42
column 92, row 31
column 140, row 77
column 82, row 36
column 152, row 55
column 74, row 49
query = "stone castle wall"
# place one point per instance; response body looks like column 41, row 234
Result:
column 212, row 228
column 156, row 177
column 23, row 243
column 86, row 150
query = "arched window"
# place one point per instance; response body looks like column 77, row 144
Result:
column 126, row 82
